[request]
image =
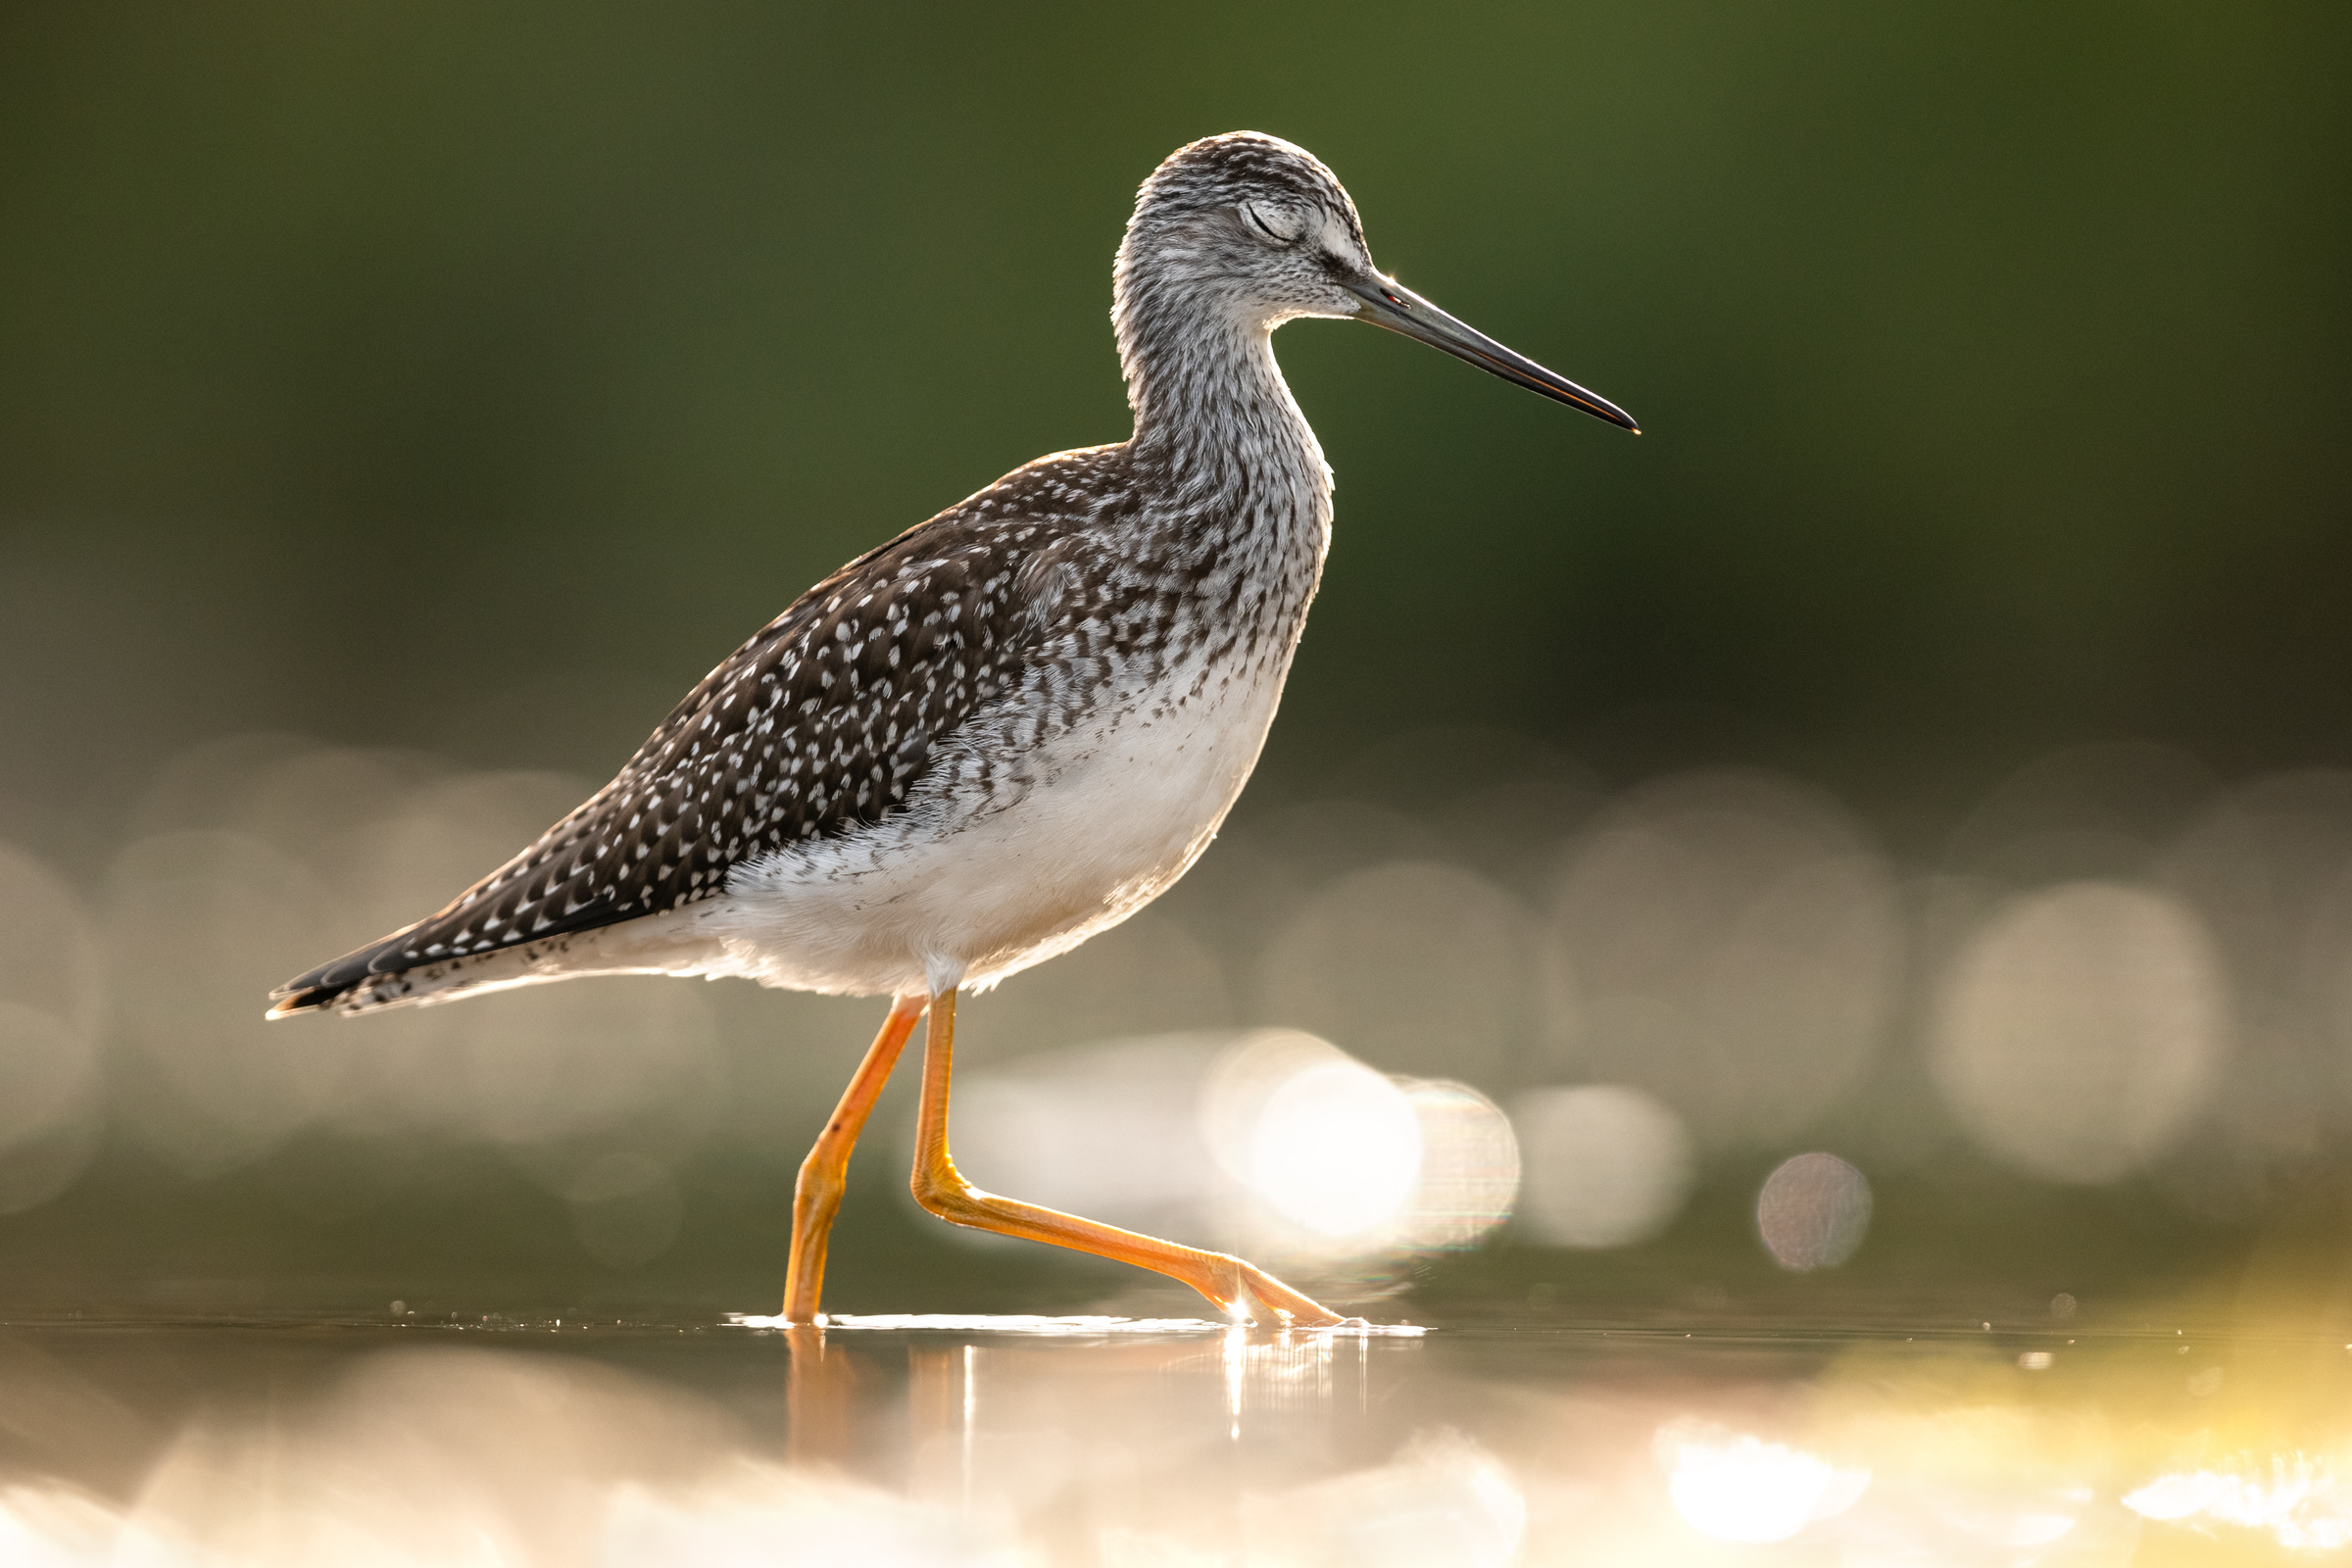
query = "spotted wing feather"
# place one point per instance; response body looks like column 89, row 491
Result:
column 821, row 722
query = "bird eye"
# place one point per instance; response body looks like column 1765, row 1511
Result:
column 1261, row 224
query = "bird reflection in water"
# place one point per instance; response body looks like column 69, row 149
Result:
column 820, row 1392
column 1289, row 1372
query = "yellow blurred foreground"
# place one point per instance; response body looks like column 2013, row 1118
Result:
column 1160, row 1444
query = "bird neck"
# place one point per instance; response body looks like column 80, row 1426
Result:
column 1211, row 408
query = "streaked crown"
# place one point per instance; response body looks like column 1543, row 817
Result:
column 1241, row 167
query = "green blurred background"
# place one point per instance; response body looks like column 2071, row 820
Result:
column 462, row 381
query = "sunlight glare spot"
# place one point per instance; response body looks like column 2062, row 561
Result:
column 1337, row 1149
column 1737, row 1487
column 2299, row 1504
column 55, row 1527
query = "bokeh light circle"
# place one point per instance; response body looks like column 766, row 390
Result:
column 2079, row 1029
column 1813, row 1211
column 1605, row 1165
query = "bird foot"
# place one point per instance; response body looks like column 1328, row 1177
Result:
column 1259, row 1297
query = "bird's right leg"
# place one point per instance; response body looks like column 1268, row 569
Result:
column 1238, row 1288
column 824, row 1174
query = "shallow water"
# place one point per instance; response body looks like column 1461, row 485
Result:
column 1137, row 1443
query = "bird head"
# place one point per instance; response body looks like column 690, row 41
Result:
column 1252, row 229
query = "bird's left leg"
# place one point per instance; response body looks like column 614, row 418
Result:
column 824, row 1174
column 1238, row 1288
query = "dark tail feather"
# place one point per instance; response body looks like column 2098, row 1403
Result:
column 330, row 983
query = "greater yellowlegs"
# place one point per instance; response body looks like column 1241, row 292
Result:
column 1006, row 729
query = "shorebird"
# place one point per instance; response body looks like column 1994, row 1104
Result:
column 1004, row 730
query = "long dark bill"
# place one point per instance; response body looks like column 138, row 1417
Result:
column 1389, row 304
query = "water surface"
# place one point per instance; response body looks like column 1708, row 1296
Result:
column 442, row 1437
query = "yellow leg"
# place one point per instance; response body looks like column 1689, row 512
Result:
column 1238, row 1288
column 816, row 1196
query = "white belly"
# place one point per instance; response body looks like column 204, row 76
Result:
column 1116, row 812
